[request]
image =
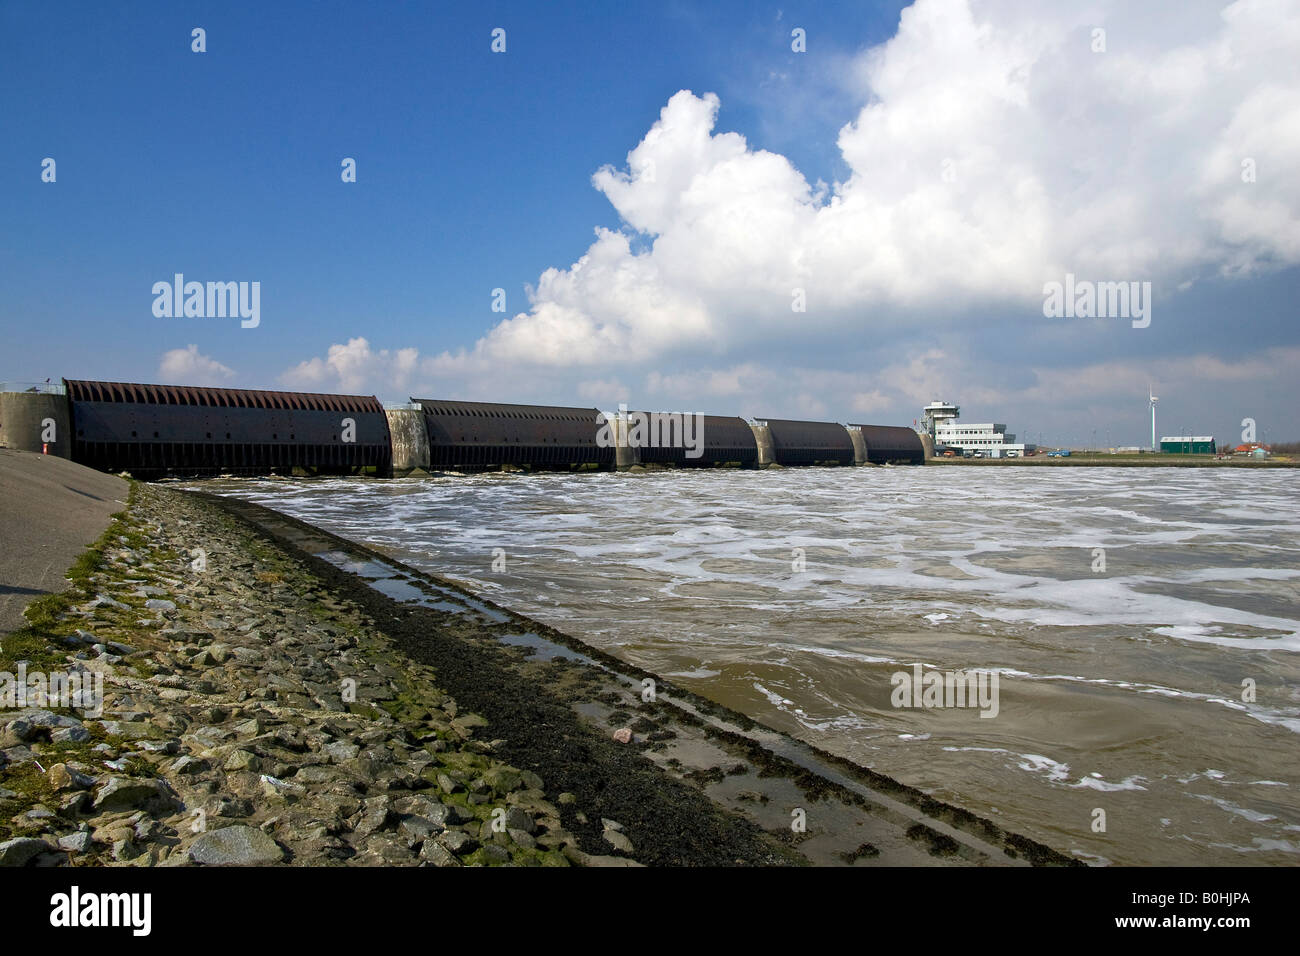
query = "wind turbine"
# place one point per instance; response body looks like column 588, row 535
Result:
column 1151, row 397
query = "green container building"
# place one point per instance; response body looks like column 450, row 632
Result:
column 1185, row 445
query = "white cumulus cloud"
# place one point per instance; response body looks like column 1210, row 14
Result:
column 999, row 149
column 355, row 368
column 188, row 366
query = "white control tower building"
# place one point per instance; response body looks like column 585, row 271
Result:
column 989, row 438
column 938, row 414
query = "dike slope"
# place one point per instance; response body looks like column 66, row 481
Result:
column 50, row 510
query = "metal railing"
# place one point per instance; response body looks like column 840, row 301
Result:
column 44, row 388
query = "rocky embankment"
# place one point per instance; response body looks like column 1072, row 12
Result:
column 251, row 716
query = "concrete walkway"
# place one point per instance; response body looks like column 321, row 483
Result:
column 50, row 510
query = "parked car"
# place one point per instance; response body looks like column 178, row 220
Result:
column 1059, row 453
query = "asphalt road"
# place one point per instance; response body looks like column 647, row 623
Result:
column 50, row 510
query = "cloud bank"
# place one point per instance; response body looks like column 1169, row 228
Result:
column 1000, row 149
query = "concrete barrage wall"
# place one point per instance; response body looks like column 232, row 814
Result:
column 477, row 435
column 714, row 440
column 36, row 421
column 891, row 444
column 152, row 431
column 155, row 430
column 809, row 443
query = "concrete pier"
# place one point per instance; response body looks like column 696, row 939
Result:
column 410, row 438
column 763, row 438
column 625, row 454
column 859, row 445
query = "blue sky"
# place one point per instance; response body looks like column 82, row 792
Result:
column 475, row 173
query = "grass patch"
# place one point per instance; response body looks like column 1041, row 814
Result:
column 32, row 788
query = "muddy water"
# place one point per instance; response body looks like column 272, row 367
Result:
column 796, row 596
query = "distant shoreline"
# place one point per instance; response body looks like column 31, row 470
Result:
column 1120, row 461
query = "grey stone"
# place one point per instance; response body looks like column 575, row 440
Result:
column 62, row 777
column 458, row 841
column 386, row 850
column 313, row 775
column 438, row 855
column 275, row 787
column 340, row 751
column 242, row 760
column 45, row 718
column 132, row 729
column 19, row 732
column 417, row 829
column 591, row 859
column 235, row 846
column 74, row 803
column 553, row 839
column 496, row 854
column 522, row 838
column 70, row 735
column 129, row 793
column 421, row 806
column 78, row 842
column 188, row 765
column 20, row 851
column 618, row 841
column 457, row 813
column 517, row 819
column 503, row 779
column 375, row 816
column 159, row 746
